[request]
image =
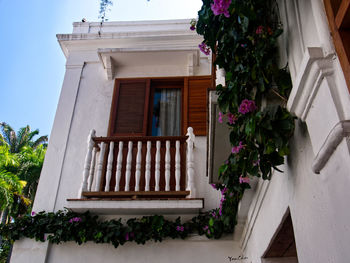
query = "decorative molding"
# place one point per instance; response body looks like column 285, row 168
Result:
column 254, row 210
column 109, row 63
column 334, row 138
column 313, row 69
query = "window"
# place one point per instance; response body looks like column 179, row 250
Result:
column 338, row 13
column 159, row 106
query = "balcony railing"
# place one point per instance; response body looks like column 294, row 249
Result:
column 139, row 167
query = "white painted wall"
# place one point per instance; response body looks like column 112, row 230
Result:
column 84, row 104
column 318, row 203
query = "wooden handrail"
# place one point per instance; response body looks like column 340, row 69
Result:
column 139, row 138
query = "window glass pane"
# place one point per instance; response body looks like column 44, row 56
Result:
column 166, row 117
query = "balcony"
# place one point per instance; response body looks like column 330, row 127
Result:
column 143, row 174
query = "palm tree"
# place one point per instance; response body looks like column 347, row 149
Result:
column 24, row 137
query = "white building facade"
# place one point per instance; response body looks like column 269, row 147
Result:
column 301, row 215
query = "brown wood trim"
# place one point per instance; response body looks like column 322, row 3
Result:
column 213, row 71
column 185, row 106
column 130, row 199
column 341, row 14
column 140, row 138
column 146, row 107
column 136, row 194
column 338, row 42
column 113, row 110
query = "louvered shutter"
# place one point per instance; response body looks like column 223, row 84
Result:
column 130, row 107
column 197, row 104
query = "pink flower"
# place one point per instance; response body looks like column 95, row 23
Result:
column 259, row 30
column 220, row 117
column 247, row 106
column 221, row 7
column 204, row 48
column 257, row 162
column 180, row 228
column 193, row 24
column 244, row 180
column 75, row 219
column 236, row 149
column 127, row 236
column 33, row 213
column 231, row 118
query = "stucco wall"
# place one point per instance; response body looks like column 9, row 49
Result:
column 318, row 203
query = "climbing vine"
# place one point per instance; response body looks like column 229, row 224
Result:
column 243, row 35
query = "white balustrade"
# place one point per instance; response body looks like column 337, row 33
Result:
column 92, row 168
column 109, row 166
column 167, row 166
column 148, row 166
column 118, row 173
column 128, row 167
column 157, row 173
column 177, row 166
column 96, row 156
column 100, row 167
column 190, row 165
column 87, row 163
column 138, row 166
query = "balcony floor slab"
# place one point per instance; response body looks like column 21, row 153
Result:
column 132, row 207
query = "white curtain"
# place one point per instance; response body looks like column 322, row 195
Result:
column 170, row 113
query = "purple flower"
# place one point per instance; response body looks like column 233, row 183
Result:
column 204, row 48
column 231, row 118
column 257, row 162
column 244, row 180
column 236, row 149
column 193, row 24
column 259, row 30
column 247, row 106
column 220, row 117
column 221, row 7
column 127, row 236
column 33, row 213
column 180, row 228
column 75, row 219
column 244, row 45
column 214, row 186
column 205, row 228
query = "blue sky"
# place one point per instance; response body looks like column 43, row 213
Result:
column 32, row 68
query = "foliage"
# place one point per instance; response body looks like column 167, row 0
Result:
column 244, row 39
column 21, row 159
column 104, row 7
column 64, row 226
column 24, row 137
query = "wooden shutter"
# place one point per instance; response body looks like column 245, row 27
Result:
column 129, row 110
column 338, row 13
column 197, row 89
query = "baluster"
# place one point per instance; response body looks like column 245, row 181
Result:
column 157, row 174
column 148, row 166
column 177, row 166
column 118, row 172
column 100, row 166
column 87, row 162
column 167, row 166
column 128, row 166
column 138, row 166
column 190, row 171
column 109, row 166
column 92, row 169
